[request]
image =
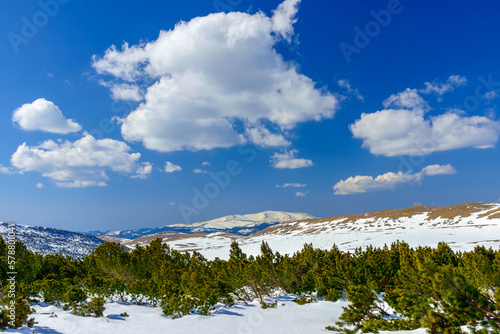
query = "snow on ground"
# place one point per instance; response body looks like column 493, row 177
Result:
column 461, row 233
column 288, row 318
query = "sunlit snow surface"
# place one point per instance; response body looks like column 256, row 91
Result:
column 461, row 233
column 288, row 317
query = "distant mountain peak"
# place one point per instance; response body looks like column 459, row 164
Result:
column 245, row 224
column 248, row 220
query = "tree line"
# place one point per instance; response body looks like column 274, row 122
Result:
column 435, row 288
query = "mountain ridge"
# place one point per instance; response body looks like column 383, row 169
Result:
column 48, row 240
column 245, row 224
column 462, row 226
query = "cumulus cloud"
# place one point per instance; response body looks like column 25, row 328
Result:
column 216, row 81
column 284, row 17
column 343, row 83
column 402, row 128
column 301, row 194
column 126, row 92
column 199, row 171
column 450, row 85
column 438, row 170
column 408, row 99
column 263, row 137
column 287, row 160
column 143, row 171
column 45, row 116
column 39, row 185
column 390, row 180
column 82, row 163
column 170, row 167
column 205, row 163
column 295, row 185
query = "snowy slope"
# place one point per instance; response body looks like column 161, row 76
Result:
column 462, row 227
column 46, row 240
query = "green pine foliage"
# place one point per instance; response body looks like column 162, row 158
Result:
column 21, row 310
column 302, row 300
column 74, row 296
column 14, row 295
column 434, row 288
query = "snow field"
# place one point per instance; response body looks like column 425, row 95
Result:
column 287, row 318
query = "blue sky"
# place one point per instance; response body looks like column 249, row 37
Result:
column 120, row 115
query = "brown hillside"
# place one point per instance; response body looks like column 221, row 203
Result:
column 448, row 212
column 165, row 235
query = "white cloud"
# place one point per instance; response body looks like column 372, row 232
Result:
column 44, row 115
column 205, row 163
column 492, row 94
column 490, row 112
column 199, row 171
column 450, row 85
column 284, row 18
column 457, row 80
column 263, row 137
column 301, row 194
column 216, row 81
column 143, row 171
column 170, row 167
column 39, row 185
column 295, row 185
column 343, row 83
column 403, row 129
column 81, row 163
column 126, row 92
column 432, row 170
column 6, row 170
column 390, row 180
column 288, row 160
column 407, row 99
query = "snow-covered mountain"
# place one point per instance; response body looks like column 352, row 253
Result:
column 234, row 224
column 244, row 224
column 46, row 240
column 462, row 227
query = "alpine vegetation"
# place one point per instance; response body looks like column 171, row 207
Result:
column 395, row 287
